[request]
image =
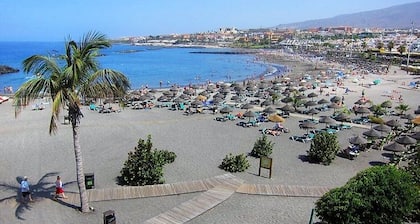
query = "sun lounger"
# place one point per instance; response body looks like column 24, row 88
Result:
column 93, row 107
column 231, row 117
column 223, row 119
column 351, row 152
column 304, row 138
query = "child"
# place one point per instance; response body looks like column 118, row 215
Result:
column 59, row 191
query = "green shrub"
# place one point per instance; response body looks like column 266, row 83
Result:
column 375, row 120
column 380, row 195
column 144, row 165
column 324, row 148
column 262, row 147
column 238, row 163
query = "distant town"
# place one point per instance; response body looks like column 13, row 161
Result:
column 394, row 45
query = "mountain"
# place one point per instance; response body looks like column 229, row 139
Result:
column 400, row 16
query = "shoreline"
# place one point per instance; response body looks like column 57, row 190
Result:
column 200, row 143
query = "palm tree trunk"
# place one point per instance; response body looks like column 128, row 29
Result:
column 84, row 204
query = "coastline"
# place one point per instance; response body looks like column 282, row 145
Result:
column 200, row 143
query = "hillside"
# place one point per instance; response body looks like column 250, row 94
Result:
column 400, row 16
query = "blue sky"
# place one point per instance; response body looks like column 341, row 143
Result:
column 52, row 20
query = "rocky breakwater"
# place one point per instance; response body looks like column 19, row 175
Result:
column 4, row 69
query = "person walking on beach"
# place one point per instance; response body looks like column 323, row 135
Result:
column 24, row 188
column 59, row 191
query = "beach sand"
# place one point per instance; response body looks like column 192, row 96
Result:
column 200, row 144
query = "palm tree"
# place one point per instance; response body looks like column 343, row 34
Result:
column 390, row 45
column 402, row 108
column 401, row 49
column 378, row 110
column 66, row 80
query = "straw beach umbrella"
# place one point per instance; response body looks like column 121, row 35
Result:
column 382, row 128
column 249, row 114
column 416, row 136
column 406, row 140
column 276, row 118
column 362, row 110
column 226, row 110
column 393, row 123
column 395, row 147
column 323, row 101
column 342, row 117
column 313, row 111
column 247, row 106
column 327, row 120
column 307, row 125
column 335, row 99
column 269, row 110
column 287, row 108
column 416, row 120
column 358, row 140
column 372, row 133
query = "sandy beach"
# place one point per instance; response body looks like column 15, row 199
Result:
column 200, row 144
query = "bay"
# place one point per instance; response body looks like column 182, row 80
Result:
column 144, row 65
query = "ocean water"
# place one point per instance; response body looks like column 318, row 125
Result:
column 143, row 65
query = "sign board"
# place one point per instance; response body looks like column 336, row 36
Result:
column 266, row 163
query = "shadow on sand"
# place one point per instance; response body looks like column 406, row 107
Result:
column 42, row 189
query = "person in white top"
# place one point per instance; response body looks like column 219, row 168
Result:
column 24, row 188
column 59, row 191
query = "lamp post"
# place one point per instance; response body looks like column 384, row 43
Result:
column 408, row 47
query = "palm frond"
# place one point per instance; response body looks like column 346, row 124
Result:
column 40, row 65
column 105, row 82
column 30, row 91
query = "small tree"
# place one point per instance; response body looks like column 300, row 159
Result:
column 380, row 45
column 262, row 147
column 390, row 45
column 378, row 110
column 401, row 49
column 274, row 98
column 323, row 148
column 238, row 163
column 144, row 165
column 381, row 194
column 402, row 108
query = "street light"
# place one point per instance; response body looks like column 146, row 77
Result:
column 409, row 45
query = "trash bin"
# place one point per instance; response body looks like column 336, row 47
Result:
column 89, row 180
column 109, row 217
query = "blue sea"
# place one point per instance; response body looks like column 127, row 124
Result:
column 144, row 65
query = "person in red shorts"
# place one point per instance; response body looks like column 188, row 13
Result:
column 59, row 191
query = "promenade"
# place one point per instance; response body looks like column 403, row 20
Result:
column 213, row 191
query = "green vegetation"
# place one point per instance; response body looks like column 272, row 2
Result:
column 144, row 165
column 262, row 147
column 66, row 79
column 402, row 108
column 375, row 120
column 324, row 148
column 238, row 163
column 381, row 194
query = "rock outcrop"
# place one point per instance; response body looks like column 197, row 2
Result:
column 4, row 69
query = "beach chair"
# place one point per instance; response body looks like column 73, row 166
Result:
column 351, row 152
column 304, row 138
column 223, row 119
column 93, row 107
column 231, row 117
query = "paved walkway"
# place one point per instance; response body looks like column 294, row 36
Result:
column 215, row 191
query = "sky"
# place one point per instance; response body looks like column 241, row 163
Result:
column 52, row 20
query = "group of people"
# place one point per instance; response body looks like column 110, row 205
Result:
column 27, row 195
